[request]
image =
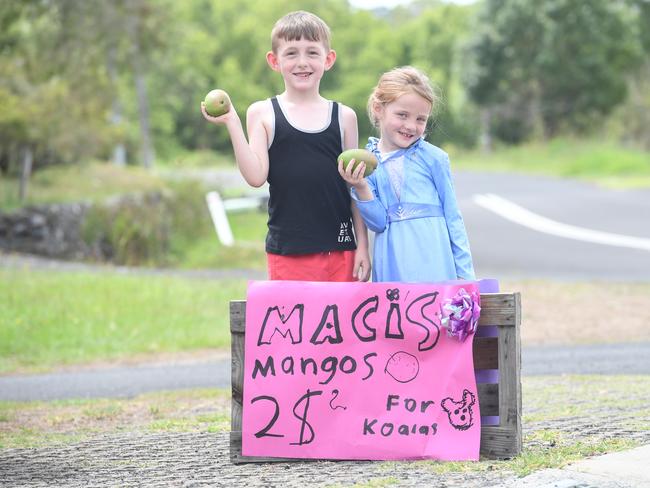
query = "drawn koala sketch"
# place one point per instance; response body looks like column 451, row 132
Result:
column 461, row 415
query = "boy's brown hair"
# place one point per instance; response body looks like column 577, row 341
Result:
column 300, row 25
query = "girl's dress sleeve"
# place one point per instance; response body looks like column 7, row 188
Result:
column 454, row 219
column 373, row 212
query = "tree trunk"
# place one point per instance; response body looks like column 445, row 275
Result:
column 25, row 173
column 148, row 154
column 536, row 114
column 4, row 161
column 485, row 138
column 119, row 151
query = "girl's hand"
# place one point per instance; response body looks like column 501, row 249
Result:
column 352, row 175
column 222, row 119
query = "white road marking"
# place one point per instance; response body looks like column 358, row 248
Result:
column 515, row 213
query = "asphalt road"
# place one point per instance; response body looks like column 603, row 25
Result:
column 124, row 382
column 506, row 249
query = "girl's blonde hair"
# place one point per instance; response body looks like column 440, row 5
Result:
column 397, row 82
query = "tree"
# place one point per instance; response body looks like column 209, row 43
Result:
column 431, row 40
column 115, row 39
column 39, row 100
column 635, row 113
column 557, row 63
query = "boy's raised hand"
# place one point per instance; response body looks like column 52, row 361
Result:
column 222, row 119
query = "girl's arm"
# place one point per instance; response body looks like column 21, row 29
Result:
column 363, row 193
column 453, row 218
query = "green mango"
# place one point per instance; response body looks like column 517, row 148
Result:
column 217, row 103
column 359, row 155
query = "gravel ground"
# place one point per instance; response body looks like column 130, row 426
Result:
column 558, row 412
column 193, row 459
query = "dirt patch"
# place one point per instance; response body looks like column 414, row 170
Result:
column 582, row 312
column 198, row 409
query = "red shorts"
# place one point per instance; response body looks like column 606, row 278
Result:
column 322, row 266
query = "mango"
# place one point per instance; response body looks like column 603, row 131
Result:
column 359, row 155
column 217, row 103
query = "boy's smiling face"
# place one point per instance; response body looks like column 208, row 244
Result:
column 301, row 63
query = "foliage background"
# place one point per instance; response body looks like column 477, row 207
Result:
column 122, row 80
column 101, row 97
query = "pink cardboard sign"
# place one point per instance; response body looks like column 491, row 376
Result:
column 361, row 371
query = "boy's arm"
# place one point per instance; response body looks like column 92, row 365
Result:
column 252, row 156
column 361, row 256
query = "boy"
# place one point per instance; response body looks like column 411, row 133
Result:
column 294, row 140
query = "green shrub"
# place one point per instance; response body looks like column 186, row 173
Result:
column 131, row 231
column 139, row 229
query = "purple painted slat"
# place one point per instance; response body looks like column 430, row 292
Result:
column 487, row 331
column 490, row 420
column 486, row 375
column 488, row 285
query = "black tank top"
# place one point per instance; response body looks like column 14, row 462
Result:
column 309, row 204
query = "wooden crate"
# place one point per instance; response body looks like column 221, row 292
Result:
column 500, row 351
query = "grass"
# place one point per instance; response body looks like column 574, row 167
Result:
column 38, row 424
column 543, row 449
column 560, row 452
column 249, row 231
column 56, row 318
column 612, row 394
column 551, row 439
column 95, row 181
column 83, row 182
column 200, row 159
column 604, row 162
column 553, row 407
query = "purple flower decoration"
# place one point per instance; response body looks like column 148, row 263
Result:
column 460, row 314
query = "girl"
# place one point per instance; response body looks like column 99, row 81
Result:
column 409, row 200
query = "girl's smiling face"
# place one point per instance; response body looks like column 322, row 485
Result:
column 402, row 121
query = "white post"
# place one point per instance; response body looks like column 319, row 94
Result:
column 219, row 218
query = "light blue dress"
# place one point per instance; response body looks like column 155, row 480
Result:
column 420, row 233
